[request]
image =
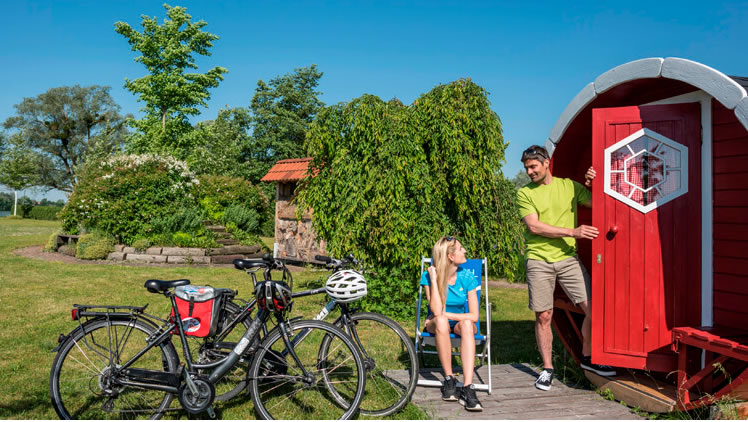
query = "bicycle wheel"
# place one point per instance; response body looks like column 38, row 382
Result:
column 82, row 385
column 390, row 362
column 284, row 388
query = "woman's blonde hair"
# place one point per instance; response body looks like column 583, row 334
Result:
column 440, row 260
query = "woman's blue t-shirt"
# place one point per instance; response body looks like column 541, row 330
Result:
column 457, row 293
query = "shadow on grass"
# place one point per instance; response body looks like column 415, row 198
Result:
column 34, row 405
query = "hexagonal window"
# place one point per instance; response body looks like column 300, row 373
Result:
column 646, row 169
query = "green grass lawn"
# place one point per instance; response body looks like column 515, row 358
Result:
column 39, row 294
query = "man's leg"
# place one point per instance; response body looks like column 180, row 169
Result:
column 541, row 281
column 575, row 280
column 544, row 337
column 586, row 328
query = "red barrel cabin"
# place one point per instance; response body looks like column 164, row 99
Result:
column 669, row 140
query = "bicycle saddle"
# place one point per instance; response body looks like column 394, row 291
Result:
column 160, row 286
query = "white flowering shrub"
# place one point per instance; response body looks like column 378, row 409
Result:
column 123, row 194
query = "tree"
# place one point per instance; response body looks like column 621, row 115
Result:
column 18, row 170
column 520, row 179
column 282, row 111
column 219, row 144
column 65, row 126
column 6, row 201
column 391, row 179
column 170, row 93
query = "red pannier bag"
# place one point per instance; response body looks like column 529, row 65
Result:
column 198, row 307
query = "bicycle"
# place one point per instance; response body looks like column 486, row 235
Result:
column 388, row 353
column 121, row 361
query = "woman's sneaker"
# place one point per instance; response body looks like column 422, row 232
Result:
column 545, row 380
column 602, row 370
column 469, row 400
column 449, row 389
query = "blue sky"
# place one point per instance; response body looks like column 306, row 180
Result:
column 532, row 57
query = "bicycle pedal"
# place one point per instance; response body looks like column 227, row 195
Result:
column 211, row 412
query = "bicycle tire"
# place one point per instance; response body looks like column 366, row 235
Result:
column 392, row 371
column 275, row 377
column 78, row 380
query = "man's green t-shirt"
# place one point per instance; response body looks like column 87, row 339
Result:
column 555, row 204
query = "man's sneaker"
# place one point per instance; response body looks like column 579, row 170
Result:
column 545, row 380
column 469, row 400
column 602, row 370
column 449, row 389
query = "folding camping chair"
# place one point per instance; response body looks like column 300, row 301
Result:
column 479, row 267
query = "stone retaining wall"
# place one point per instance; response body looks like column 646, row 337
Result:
column 169, row 255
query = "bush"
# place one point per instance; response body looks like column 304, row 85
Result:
column 94, row 246
column 216, row 194
column 183, row 240
column 245, row 219
column 48, row 212
column 124, row 194
column 51, row 245
column 141, row 244
column 391, row 179
column 185, row 219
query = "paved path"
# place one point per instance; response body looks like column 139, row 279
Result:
column 514, row 396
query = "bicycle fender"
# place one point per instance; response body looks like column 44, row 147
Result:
column 62, row 339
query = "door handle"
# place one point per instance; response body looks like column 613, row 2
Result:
column 613, row 229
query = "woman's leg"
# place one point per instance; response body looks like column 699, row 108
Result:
column 466, row 330
column 440, row 327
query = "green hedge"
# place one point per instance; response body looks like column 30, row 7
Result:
column 42, row 212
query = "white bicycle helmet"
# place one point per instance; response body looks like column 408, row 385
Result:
column 346, row 286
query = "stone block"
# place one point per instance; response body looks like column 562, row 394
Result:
column 117, row 256
column 128, row 249
column 183, row 251
column 145, row 258
column 241, row 249
column 225, row 259
column 118, row 248
column 186, row 259
column 153, row 251
column 217, row 251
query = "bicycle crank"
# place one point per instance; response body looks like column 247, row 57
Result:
column 200, row 400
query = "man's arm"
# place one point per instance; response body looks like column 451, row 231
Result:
column 539, row 228
column 588, row 178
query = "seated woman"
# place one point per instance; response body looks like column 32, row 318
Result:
column 448, row 288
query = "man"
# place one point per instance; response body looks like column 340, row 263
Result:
column 548, row 207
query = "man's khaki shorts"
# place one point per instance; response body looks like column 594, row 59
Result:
column 541, row 280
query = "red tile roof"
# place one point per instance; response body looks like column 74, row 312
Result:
column 288, row 170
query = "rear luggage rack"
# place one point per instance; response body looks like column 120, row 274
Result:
column 108, row 310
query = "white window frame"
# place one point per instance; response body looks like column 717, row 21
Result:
column 664, row 198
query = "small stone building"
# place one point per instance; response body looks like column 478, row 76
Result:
column 295, row 240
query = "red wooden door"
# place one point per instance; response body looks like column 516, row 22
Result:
column 646, row 263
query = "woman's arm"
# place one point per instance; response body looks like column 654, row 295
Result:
column 473, row 306
column 435, row 299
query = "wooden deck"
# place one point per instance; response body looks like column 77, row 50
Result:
column 514, row 396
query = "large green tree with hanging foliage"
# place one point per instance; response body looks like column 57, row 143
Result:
column 171, row 92
column 391, row 179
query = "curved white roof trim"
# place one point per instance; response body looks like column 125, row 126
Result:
column 714, row 82
column 741, row 111
column 638, row 69
column 549, row 146
column 577, row 104
column 711, row 81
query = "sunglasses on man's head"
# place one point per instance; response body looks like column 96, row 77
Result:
column 535, row 151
